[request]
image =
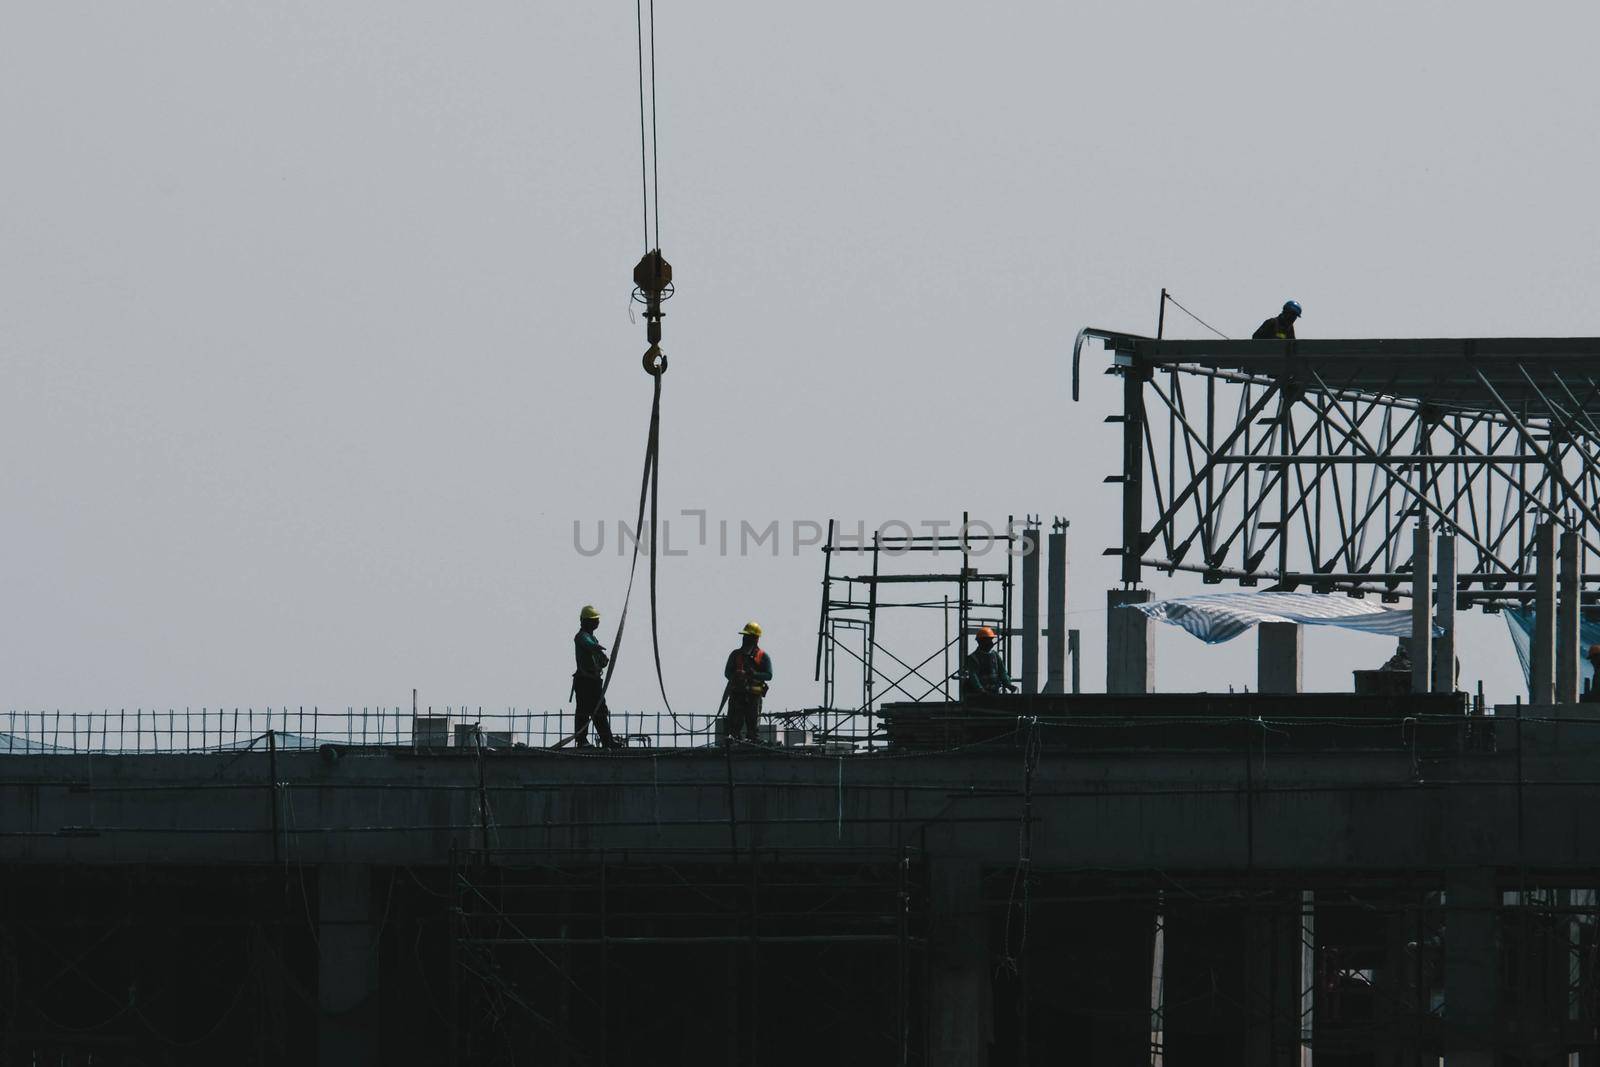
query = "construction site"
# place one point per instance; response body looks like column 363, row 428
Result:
column 918, row 871
column 971, row 835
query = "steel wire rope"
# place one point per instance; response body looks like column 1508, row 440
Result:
column 1197, row 318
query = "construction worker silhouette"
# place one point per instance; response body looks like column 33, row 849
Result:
column 748, row 671
column 588, row 681
column 984, row 671
column 1281, row 326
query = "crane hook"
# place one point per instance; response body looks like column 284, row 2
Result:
column 652, row 280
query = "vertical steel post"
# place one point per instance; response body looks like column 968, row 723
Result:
column 872, row 633
column 1567, row 619
column 1132, row 473
column 272, row 789
column 1030, row 611
column 1007, row 631
column 1542, row 659
column 964, row 604
column 1075, row 647
column 1421, row 608
column 827, row 585
column 1056, row 606
column 1444, row 607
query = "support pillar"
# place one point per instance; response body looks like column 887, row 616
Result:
column 960, row 1003
column 1272, row 974
column 1421, row 609
column 347, row 972
column 1471, row 967
column 1542, row 657
column 1444, row 612
column 1280, row 658
column 1056, row 605
column 1568, row 641
column 1030, row 611
column 1130, row 643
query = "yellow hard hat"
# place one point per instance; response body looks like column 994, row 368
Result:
column 752, row 628
column 588, row 612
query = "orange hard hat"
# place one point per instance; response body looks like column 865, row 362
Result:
column 985, row 632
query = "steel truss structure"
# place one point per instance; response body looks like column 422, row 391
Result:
column 1307, row 464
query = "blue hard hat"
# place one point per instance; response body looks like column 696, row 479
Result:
column 1294, row 306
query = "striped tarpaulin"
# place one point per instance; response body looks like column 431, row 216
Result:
column 1218, row 617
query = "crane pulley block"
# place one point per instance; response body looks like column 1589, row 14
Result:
column 652, row 280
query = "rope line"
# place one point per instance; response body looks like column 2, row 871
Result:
column 644, row 178
column 1198, row 319
column 655, row 144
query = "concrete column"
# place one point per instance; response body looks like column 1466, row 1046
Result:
column 347, row 966
column 1542, row 657
column 1308, row 973
column 1471, row 967
column 1030, row 611
column 1280, row 658
column 1130, row 644
column 1056, row 605
column 1444, row 612
column 1568, row 642
column 960, row 1003
column 1272, row 975
column 1421, row 609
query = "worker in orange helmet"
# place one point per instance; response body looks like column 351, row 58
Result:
column 748, row 671
column 984, row 671
column 1592, row 694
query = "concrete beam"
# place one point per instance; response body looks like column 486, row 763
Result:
column 1280, row 658
column 1130, row 643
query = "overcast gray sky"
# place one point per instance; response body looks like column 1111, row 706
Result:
column 314, row 328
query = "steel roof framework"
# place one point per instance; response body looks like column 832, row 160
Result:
column 1307, row 463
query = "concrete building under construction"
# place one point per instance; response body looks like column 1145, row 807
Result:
column 1395, row 874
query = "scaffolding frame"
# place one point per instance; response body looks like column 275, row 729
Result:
column 981, row 598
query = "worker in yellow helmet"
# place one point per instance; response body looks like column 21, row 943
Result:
column 588, row 681
column 748, row 671
column 984, row 671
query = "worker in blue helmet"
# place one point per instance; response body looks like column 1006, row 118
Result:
column 1281, row 326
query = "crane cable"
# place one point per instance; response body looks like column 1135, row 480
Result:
column 653, row 281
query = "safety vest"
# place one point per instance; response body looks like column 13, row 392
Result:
column 744, row 684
